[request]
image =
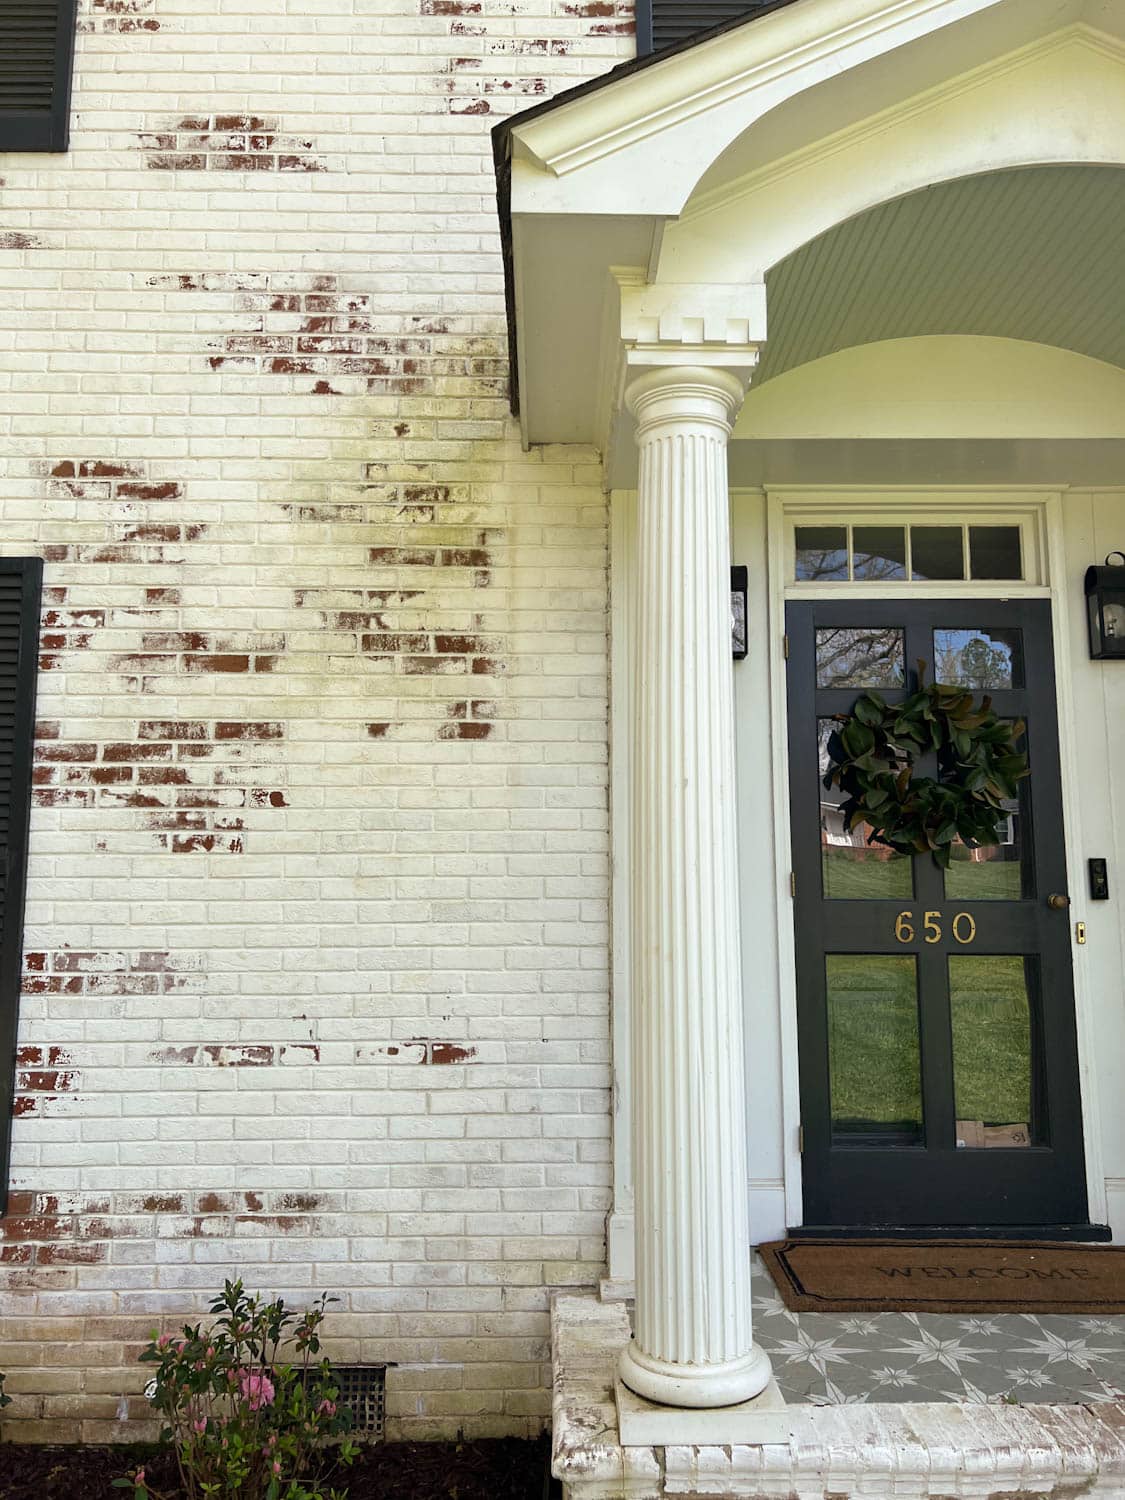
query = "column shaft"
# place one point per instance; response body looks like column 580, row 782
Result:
column 692, row 1344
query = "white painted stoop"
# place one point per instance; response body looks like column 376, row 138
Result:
column 833, row 1453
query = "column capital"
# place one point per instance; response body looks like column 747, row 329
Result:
column 685, row 323
column 685, row 394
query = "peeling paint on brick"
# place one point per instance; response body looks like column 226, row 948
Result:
column 226, row 143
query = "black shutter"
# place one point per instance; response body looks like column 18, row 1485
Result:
column 664, row 23
column 20, row 587
column 36, row 53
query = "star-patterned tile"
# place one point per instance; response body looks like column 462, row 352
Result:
column 836, row 1359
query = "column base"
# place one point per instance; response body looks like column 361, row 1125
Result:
column 750, row 1424
column 672, row 1384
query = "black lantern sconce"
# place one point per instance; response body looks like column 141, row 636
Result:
column 738, row 625
column 1105, row 609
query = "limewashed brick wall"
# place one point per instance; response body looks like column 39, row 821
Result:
column 316, row 937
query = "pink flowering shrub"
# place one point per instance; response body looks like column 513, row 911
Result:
column 247, row 1409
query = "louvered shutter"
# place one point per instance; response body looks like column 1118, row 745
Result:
column 20, row 588
column 36, row 53
column 664, row 23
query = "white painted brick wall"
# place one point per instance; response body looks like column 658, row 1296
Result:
column 316, row 934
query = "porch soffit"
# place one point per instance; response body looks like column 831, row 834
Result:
column 1034, row 255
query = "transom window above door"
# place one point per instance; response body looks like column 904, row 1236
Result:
column 889, row 552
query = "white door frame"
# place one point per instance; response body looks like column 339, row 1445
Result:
column 1040, row 513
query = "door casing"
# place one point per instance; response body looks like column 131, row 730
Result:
column 1038, row 508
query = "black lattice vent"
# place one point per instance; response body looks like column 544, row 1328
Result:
column 364, row 1389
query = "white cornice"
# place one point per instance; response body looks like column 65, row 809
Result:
column 886, row 120
column 786, row 44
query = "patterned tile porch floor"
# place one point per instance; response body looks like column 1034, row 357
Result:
column 833, row 1359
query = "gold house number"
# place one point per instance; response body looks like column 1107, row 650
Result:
column 963, row 927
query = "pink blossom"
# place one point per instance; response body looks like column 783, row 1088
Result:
column 199, row 1425
column 327, row 1409
column 276, row 1467
column 255, row 1388
column 164, row 1340
column 139, row 1477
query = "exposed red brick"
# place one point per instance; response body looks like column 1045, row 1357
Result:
column 53, row 796
column 214, row 1203
column 107, row 775
column 169, row 490
column 239, row 1057
column 206, row 843
column 52, row 984
column 12, row 239
column 147, row 751
column 34, row 1227
column 174, row 161
column 377, row 731
column 73, row 751
column 395, row 643
column 45, row 1081
column 230, row 730
column 169, row 1203
column 403, row 556
column 82, row 1255
column 261, row 797
column 415, row 666
column 216, row 663
column 464, row 731
column 450, row 1052
column 297, row 1203
column 172, row 729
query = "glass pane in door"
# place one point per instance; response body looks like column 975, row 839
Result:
column 1004, row 871
column 851, row 869
column 851, row 656
column 874, row 1057
column 979, row 659
column 990, row 1008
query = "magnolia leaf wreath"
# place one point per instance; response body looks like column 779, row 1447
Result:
column 871, row 759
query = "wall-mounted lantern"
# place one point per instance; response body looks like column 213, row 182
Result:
column 739, row 580
column 1105, row 609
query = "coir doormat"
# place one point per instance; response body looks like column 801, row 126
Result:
column 946, row 1276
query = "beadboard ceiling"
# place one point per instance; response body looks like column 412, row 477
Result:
column 1034, row 254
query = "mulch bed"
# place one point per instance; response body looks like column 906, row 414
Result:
column 503, row 1469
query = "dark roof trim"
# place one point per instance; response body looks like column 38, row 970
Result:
column 502, row 154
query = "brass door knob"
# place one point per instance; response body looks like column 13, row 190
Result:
column 1058, row 903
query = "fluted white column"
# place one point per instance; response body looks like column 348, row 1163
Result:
column 692, row 1345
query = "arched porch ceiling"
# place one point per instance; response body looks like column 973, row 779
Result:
column 836, row 174
column 1034, row 254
